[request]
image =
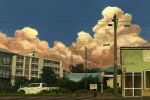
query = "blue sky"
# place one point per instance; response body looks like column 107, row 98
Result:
column 61, row 20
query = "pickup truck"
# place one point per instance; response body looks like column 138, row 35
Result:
column 35, row 88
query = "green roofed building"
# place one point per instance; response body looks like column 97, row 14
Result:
column 76, row 77
column 135, row 63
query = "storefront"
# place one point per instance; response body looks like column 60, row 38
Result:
column 135, row 63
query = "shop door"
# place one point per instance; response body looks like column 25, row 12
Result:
column 133, row 84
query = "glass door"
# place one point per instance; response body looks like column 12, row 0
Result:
column 133, row 84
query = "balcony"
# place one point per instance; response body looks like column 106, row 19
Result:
column 51, row 65
column 34, row 75
column 19, row 59
column 17, row 74
column 34, row 69
column 19, row 68
column 47, row 64
column 34, row 62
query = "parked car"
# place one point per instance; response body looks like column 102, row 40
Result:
column 35, row 88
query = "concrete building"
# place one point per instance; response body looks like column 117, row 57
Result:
column 5, row 67
column 111, row 80
column 29, row 66
column 135, row 71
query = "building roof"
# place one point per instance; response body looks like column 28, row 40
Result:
column 6, row 51
column 111, row 69
column 76, row 77
column 79, row 76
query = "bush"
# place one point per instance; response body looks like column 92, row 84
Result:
column 109, row 90
column 64, row 90
column 81, row 91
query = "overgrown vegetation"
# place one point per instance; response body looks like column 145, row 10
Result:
column 65, row 85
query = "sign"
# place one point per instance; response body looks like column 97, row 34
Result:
column 146, row 55
column 93, row 86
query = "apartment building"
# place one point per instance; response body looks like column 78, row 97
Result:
column 5, row 67
column 29, row 66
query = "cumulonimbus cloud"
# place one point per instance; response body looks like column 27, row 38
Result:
column 26, row 39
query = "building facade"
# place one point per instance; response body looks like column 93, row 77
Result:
column 5, row 67
column 135, row 71
column 28, row 66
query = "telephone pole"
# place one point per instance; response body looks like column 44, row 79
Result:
column 71, row 65
column 115, row 20
column 86, row 83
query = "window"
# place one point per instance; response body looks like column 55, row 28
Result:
column 34, row 67
column 133, row 84
column 4, row 73
column 128, row 80
column 34, row 60
column 34, row 74
column 33, row 85
column 19, row 73
column 6, row 60
column 20, row 59
column 147, row 79
column 19, row 66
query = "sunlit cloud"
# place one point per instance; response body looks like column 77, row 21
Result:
column 26, row 39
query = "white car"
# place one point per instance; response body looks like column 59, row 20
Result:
column 35, row 88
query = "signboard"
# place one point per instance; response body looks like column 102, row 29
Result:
column 93, row 86
column 146, row 55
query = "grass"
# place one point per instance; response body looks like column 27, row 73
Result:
column 49, row 94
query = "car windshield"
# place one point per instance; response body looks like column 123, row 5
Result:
column 33, row 85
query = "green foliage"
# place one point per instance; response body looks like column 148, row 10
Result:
column 75, row 86
column 20, row 81
column 78, row 68
column 5, row 88
column 35, row 80
column 64, row 90
column 109, row 90
column 68, row 84
column 81, row 91
column 89, row 80
column 48, row 76
column 60, row 91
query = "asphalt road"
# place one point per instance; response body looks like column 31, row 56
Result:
column 72, row 98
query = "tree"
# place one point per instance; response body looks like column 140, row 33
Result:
column 20, row 81
column 48, row 76
column 78, row 68
column 90, row 80
column 67, row 84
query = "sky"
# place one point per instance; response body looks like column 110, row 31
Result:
column 61, row 20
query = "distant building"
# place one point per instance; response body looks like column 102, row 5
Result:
column 110, row 80
column 106, row 79
column 5, row 67
column 76, row 77
column 28, row 66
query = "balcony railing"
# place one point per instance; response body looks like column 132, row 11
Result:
column 33, row 75
column 34, row 69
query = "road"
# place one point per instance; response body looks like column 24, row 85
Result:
column 71, row 98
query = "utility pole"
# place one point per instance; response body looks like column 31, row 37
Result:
column 115, row 20
column 71, row 59
column 71, row 65
column 86, row 68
